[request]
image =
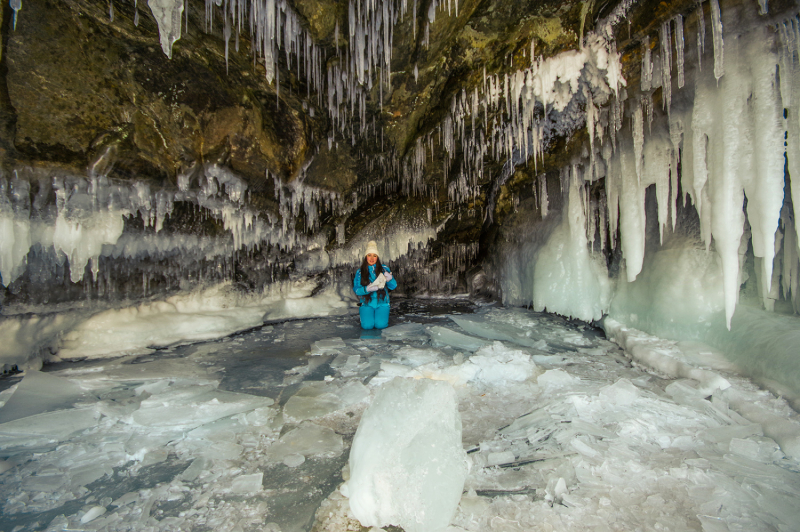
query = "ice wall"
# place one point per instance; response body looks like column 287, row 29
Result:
column 50, row 224
column 710, row 148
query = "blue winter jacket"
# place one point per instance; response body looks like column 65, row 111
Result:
column 372, row 298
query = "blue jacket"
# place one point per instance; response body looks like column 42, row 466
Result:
column 372, row 298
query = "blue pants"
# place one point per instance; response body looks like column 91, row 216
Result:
column 374, row 318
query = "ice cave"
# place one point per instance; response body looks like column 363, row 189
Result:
column 587, row 207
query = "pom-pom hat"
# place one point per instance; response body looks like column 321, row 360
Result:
column 372, row 247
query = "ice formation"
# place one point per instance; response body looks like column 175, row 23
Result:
column 716, row 149
column 407, row 465
column 168, row 16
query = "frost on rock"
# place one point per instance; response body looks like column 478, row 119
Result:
column 168, row 16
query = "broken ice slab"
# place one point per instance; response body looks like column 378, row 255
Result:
column 537, row 420
column 505, row 479
column 554, row 378
column 33, row 431
column 405, row 331
column 758, row 449
column 93, row 513
column 45, row 483
column 443, row 336
column 390, row 370
column 351, row 365
column 40, row 392
column 500, row 331
column 308, row 439
column 301, row 407
column 154, row 456
column 621, row 393
column 131, row 496
column 353, row 392
column 245, row 484
column 294, row 460
column 328, row 346
column 84, row 474
column 504, row 457
column 189, row 407
column 142, row 370
column 725, row 433
column 412, row 356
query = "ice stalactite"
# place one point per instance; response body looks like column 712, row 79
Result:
column 716, row 32
column 721, row 141
column 168, row 16
column 665, row 38
column 679, row 48
column 16, row 5
column 89, row 217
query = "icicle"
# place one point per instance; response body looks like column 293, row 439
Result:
column 638, row 139
column 764, row 187
column 679, row 48
column 16, row 5
column 544, row 204
column 666, row 65
column 110, row 10
column 716, row 30
column 647, row 65
column 168, row 16
column 701, row 35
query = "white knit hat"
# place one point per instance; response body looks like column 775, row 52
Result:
column 372, row 247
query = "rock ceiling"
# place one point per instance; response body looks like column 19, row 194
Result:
column 86, row 89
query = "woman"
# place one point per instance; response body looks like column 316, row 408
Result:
column 372, row 291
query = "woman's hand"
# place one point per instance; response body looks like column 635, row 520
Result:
column 372, row 288
column 388, row 276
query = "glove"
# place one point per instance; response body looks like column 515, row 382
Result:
column 388, row 276
column 372, row 288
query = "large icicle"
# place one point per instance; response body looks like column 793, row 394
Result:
column 716, row 31
column 764, row 187
column 168, row 16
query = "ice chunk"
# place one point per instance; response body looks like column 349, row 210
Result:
column 407, row 465
column 443, row 336
column 222, row 450
column 131, row 496
column 504, row 457
column 294, row 460
column 93, row 513
column 725, row 433
column 556, row 378
column 308, row 439
column 352, row 392
column 40, row 392
column 623, row 392
column 328, row 346
column 300, row 407
column 50, row 426
column 189, row 474
column 497, row 364
column 247, row 484
column 414, row 357
column 405, row 331
column 761, row 449
column 194, row 406
column 494, row 330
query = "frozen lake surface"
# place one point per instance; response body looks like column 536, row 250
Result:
column 253, row 431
